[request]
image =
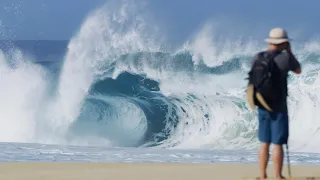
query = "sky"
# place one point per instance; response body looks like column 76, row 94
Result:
column 60, row 19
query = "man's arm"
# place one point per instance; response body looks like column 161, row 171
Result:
column 294, row 64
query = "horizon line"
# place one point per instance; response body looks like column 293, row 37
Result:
column 35, row 39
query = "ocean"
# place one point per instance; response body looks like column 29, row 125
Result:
column 116, row 93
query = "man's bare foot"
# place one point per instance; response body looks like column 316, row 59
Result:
column 281, row 177
column 265, row 177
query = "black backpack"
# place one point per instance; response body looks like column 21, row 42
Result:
column 263, row 80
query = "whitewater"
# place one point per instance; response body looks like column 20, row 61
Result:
column 120, row 93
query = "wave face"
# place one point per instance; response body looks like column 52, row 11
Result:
column 116, row 83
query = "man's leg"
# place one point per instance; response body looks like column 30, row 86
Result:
column 277, row 157
column 280, row 134
column 264, row 133
column 263, row 159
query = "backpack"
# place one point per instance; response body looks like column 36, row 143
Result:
column 262, row 87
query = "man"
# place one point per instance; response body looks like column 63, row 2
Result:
column 273, row 124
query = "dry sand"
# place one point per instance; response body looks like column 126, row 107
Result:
column 134, row 171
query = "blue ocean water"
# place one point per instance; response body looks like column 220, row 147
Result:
column 115, row 92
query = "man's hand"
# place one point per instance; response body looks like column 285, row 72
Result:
column 297, row 71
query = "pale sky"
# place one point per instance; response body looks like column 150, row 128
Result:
column 60, row 19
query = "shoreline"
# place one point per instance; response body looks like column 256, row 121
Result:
column 139, row 171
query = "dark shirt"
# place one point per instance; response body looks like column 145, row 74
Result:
column 285, row 63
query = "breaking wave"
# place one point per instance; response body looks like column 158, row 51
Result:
column 119, row 84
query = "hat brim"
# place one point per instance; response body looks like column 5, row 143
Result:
column 276, row 41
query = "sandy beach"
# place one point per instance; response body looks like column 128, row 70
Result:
column 135, row 171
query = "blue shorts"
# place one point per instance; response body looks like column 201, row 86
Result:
column 273, row 127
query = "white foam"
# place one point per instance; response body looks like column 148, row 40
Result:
column 23, row 86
